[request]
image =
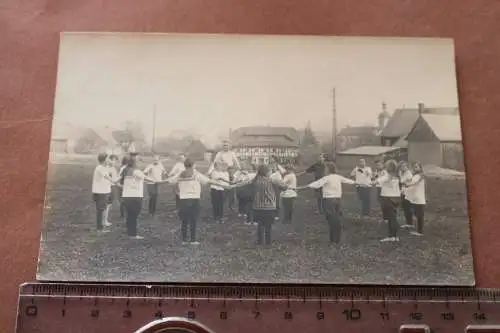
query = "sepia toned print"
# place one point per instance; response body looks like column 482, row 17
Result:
column 250, row 158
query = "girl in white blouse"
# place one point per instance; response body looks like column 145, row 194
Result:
column 124, row 164
column 415, row 194
column 363, row 176
column 133, row 179
column 101, row 190
column 189, row 183
column 177, row 169
column 331, row 184
column 155, row 170
column 379, row 171
column 390, row 197
column 217, row 192
column 244, row 193
column 405, row 175
column 277, row 172
column 288, row 196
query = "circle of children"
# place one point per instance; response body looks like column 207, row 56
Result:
column 260, row 191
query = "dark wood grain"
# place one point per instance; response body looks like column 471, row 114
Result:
column 29, row 35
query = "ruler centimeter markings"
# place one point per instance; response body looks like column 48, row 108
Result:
column 52, row 307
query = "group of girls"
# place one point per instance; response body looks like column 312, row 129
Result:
column 258, row 191
column 400, row 185
column 126, row 186
column 397, row 185
column 242, row 191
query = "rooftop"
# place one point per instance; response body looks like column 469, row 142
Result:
column 445, row 127
column 358, row 131
column 402, row 121
column 369, row 150
column 265, row 136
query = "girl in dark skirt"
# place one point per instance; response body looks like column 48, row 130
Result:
column 276, row 174
column 113, row 196
column 133, row 192
column 415, row 194
column 120, row 188
column 219, row 174
column 379, row 172
column 240, row 176
column 331, row 185
column 264, row 203
column 177, row 169
column 318, row 169
column 244, row 192
column 230, row 195
column 288, row 197
column 189, row 184
column 155, row 170
column 405, row 176
column 390, row 197
column 101, row 190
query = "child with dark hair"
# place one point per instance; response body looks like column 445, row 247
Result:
column 318, row 169
column 244, row 192
column 113, row 174
column 101, row 189
column 229, row 194
column 378, row 172
column 288, row 196
column 415, row 194
column 390, row 197
column 264, row 203
column 331, row 185
column 189, row 184
column 276, row 174
column 219, row 174
column 239, row 176
column 176, row 170
column 405, row 176
column 155, row 171
column 133, row 193
column 124, row 164
column 362, row 174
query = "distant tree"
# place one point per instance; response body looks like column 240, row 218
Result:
column 196, row 150
column 308, row 137
column 309, row 156
column 173, row 145
column 136, row 130
column 89, row 142
column 309, row 149
column 186, row 141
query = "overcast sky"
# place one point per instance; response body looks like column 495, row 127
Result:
column 210, row 83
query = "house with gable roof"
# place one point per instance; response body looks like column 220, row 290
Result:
column 436, row 139
column 402, row 121
column 259, row 143
column 64, row 137
column 356, row 136
column 105, row 139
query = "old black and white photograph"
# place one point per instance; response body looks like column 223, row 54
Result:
column 256, row 159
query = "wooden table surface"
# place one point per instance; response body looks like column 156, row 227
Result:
column 29, row 36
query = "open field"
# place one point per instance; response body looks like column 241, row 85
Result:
column 72, row 250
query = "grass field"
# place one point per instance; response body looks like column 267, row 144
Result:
column 72, row 250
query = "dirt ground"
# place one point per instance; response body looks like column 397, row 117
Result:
column 72, row 250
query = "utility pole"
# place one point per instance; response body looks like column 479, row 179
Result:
column 334, row 126
column 153, row 139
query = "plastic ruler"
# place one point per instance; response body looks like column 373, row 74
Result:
column 106, row 308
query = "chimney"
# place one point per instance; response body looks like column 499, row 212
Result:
column 421, row 108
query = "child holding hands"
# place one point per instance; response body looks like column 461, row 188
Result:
column 331, row 185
